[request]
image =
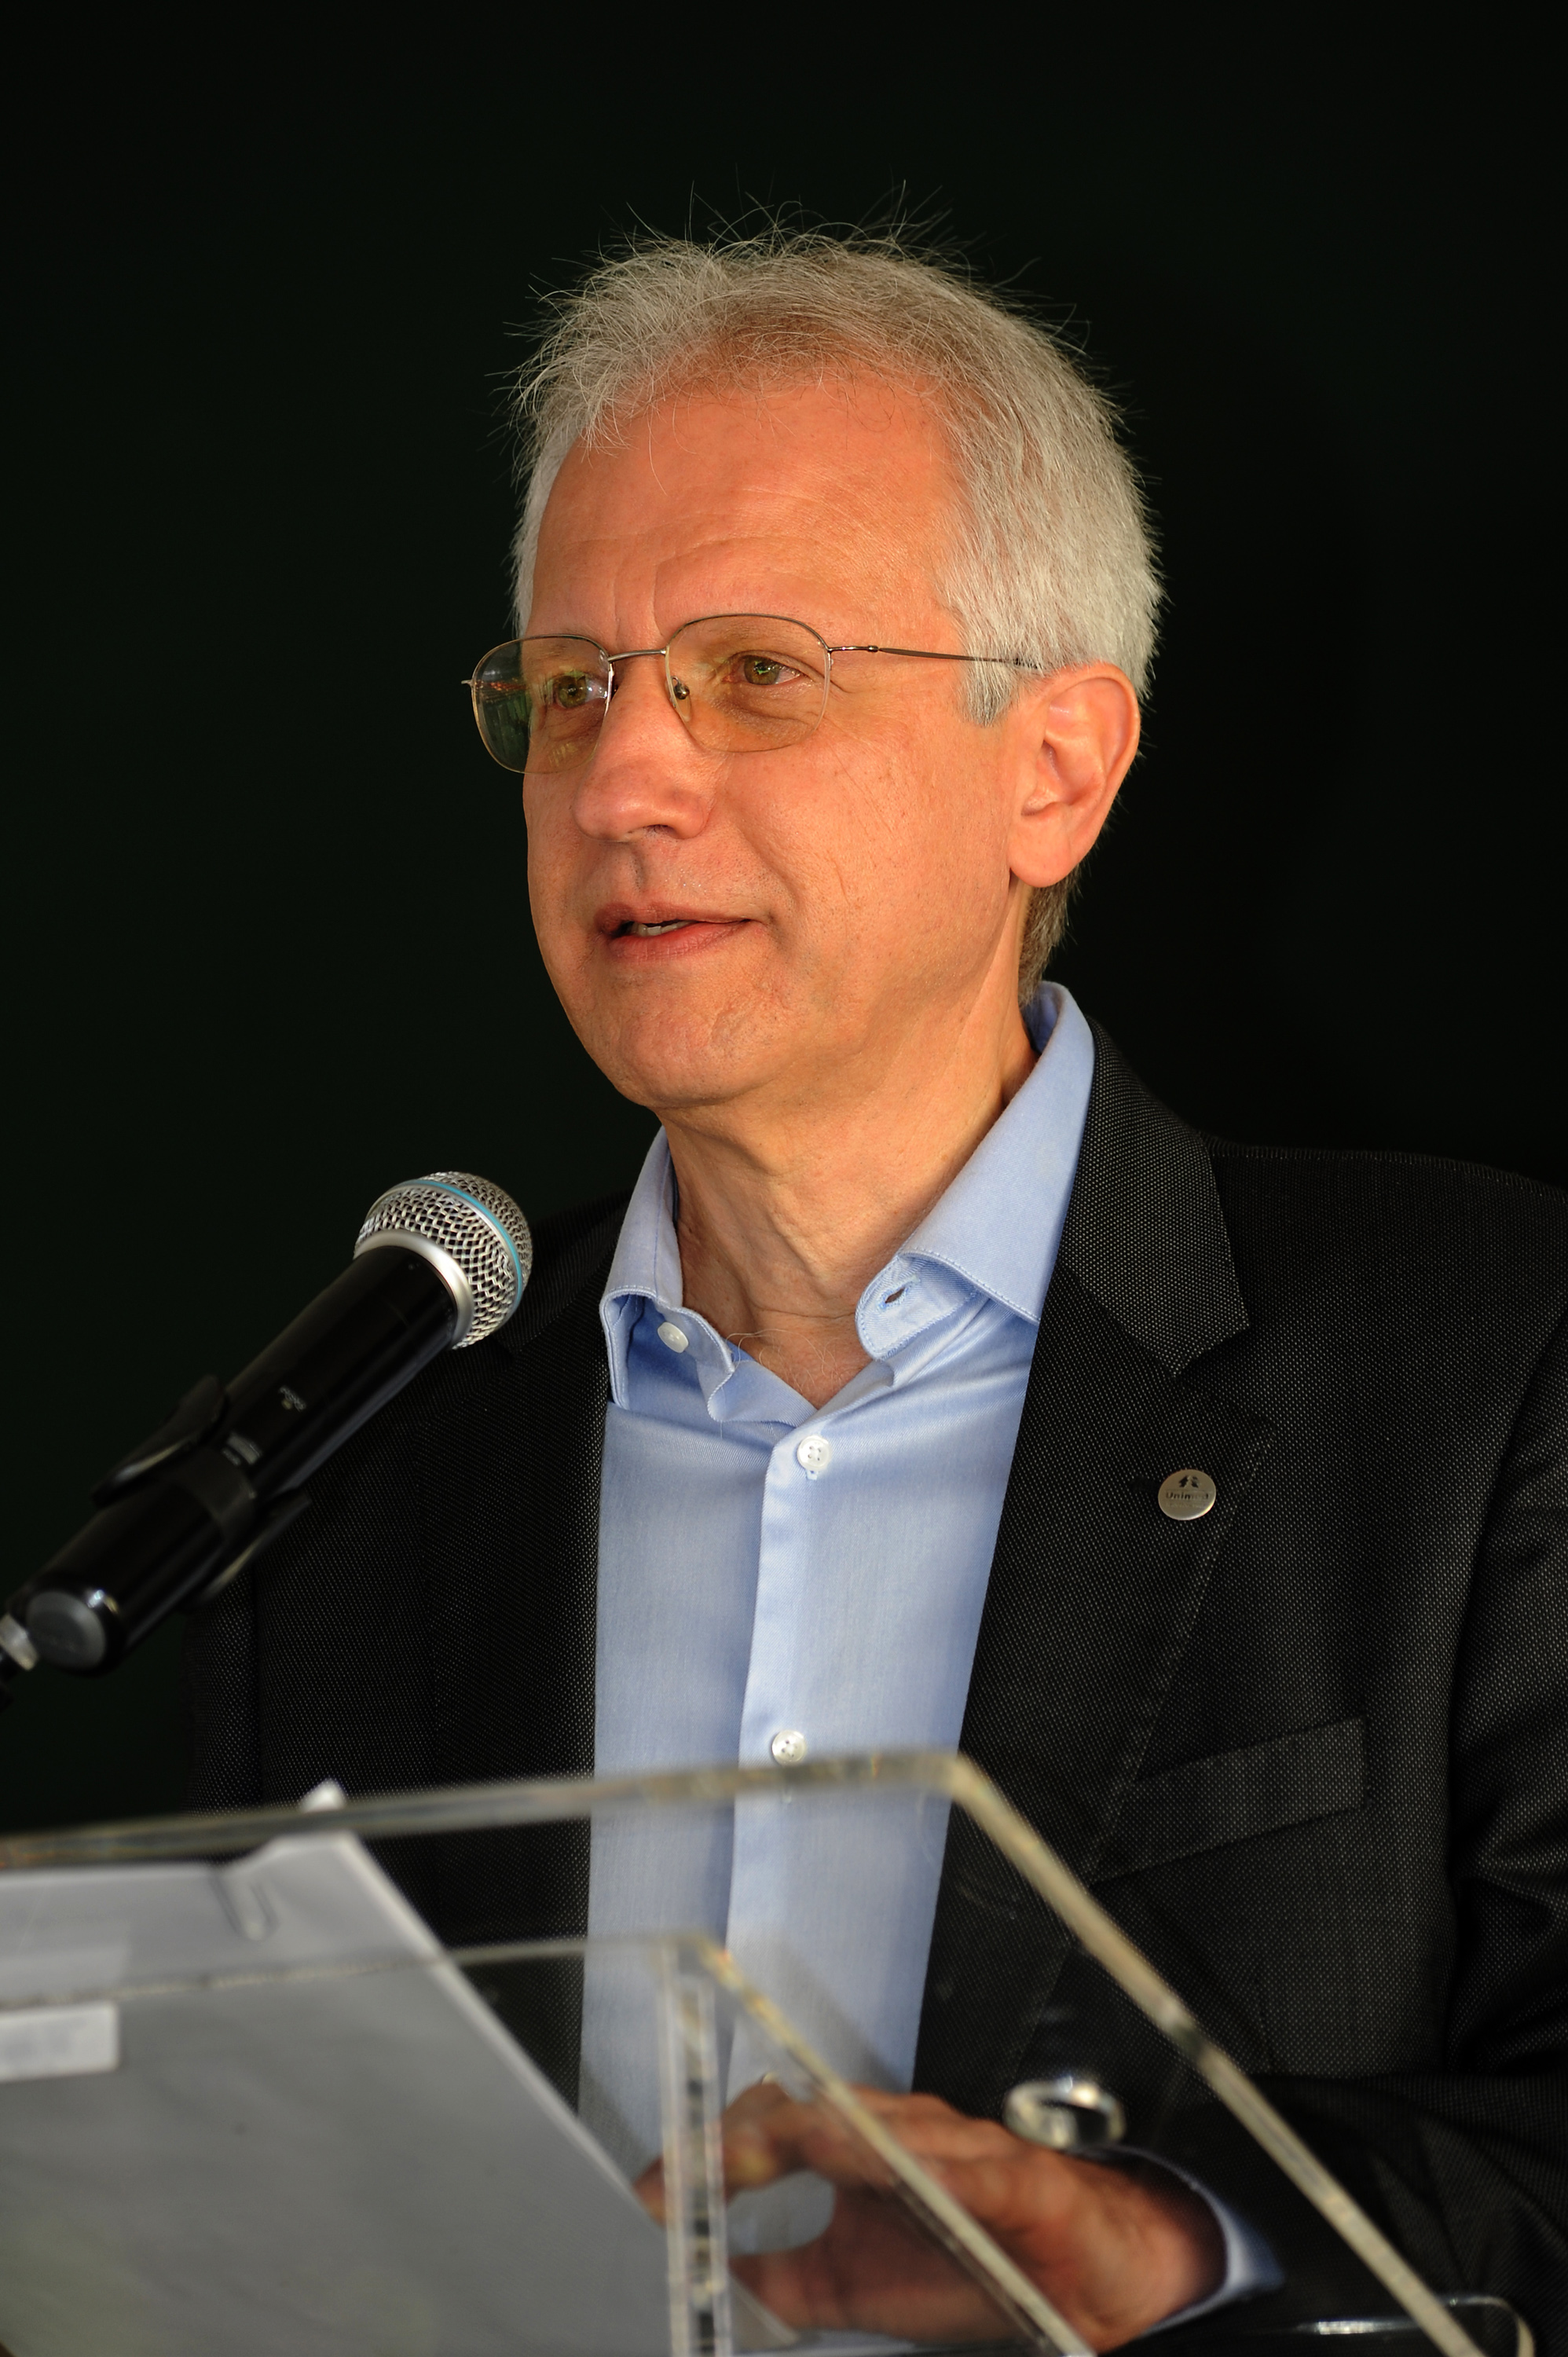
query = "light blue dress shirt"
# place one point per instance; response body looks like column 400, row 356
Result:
column 777, row 1581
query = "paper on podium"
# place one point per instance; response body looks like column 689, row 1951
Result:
column 363, row 2163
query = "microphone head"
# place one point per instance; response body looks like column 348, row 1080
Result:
column 472, row 1227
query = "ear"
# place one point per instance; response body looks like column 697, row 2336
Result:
column 1074, row 737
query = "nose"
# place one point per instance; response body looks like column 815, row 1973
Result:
column 644, row 770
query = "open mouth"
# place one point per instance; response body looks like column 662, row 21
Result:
column 632, row 931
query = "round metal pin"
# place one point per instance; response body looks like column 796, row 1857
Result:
column 1187, row 1496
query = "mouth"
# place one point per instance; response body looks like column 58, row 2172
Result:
column 639, row 937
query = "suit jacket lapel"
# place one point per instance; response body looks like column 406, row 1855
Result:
column 1092, row 1590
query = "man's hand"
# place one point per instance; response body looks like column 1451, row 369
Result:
column 1114, row 2249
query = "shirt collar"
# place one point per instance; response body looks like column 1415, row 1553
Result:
column 647, row 1263
column 978, row 1231
column 981, row 1228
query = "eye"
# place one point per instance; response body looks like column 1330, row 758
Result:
column 568, row 691
column 764, row 670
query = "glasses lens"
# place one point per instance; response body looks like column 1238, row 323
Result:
column 540, row 702
column 748, row 683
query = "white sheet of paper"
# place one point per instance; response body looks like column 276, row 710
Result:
column 367, row 2166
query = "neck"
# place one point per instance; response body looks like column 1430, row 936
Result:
column 788, row 1209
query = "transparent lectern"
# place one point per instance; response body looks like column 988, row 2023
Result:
column 250, row 2104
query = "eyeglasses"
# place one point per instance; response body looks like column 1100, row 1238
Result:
column 741, row 682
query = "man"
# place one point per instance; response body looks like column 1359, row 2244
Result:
column 858, row 1427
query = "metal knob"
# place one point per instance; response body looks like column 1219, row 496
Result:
column 1071, row 2112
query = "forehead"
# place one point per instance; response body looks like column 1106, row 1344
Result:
column 821, row 496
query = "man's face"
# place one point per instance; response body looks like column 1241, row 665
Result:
column 842, row 901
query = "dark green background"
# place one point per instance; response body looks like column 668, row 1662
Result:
column 269, row 945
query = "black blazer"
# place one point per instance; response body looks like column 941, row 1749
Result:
column 1310, row 1751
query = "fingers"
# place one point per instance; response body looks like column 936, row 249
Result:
column 874, row 2270
column 1116, row 2249
column 768, row 2134
column 649, row 2190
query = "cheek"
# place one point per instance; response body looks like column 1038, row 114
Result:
column 933, row 832
column 554, row 845
column 549, row 874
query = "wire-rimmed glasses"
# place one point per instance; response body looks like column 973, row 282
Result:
column 741, row 682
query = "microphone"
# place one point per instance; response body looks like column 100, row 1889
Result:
column 440, row 1263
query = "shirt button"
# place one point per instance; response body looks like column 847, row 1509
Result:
column 788, row 1747
column 671, row 1337
column 814, row 1454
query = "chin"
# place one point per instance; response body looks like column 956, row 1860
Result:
column 668, row 1060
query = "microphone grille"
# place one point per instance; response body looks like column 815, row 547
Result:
column 477, row 1225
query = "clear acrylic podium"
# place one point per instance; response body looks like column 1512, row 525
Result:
column 250, row 2103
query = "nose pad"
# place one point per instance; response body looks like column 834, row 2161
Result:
column 620, row 678
column 637, row 777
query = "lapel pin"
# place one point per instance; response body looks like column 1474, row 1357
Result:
column 1187, row 1496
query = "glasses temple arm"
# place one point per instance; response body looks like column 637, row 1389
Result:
column 935, row 654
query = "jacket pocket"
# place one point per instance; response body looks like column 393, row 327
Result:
column 1233, row 1795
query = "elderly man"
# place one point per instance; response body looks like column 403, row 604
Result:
column 879, row 1416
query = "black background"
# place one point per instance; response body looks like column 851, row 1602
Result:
column 268, row 942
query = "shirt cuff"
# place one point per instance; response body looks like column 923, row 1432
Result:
column 1250, row 2265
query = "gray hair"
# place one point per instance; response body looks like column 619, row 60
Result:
column 1050, row 561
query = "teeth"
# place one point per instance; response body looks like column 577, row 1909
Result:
column 646, row 932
